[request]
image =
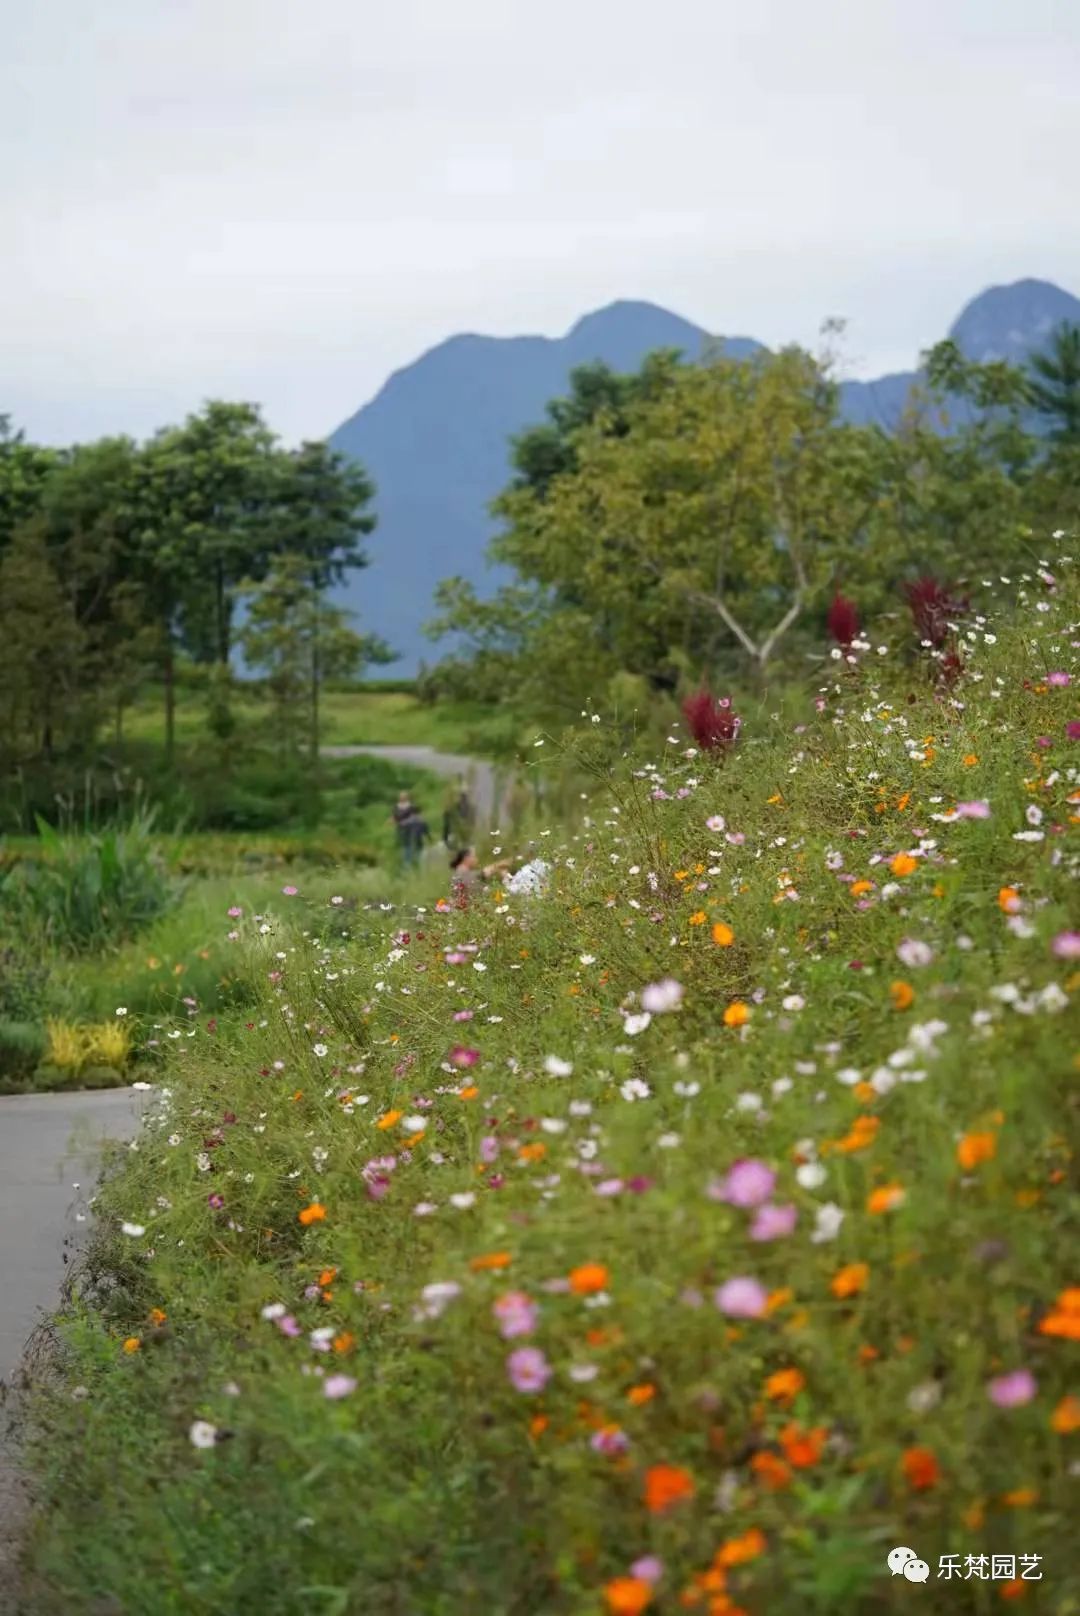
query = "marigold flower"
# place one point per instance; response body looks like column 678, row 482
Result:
column 588, row 1278
column 388, row 1119
column 722, row 935
column 1066, row 1417
column 315, row 1213
column 975, row 1148
column 1064, row 1317
column 802, row 1449
column 850, row 1280
column 491, row 1259
column 698, row 918
column 132, row 1344
column 921, row 1469
column 157, row 1315
column 738, row 1550
column 736, row 1015
column 904, row 864
column 785, row 1385
column 860, row 888
column 771, row 1471
column 637, row 1395
column 1008, row 900
column 627, row 1596
column 665, row 1486
column 902, row 995
column 886, row 1198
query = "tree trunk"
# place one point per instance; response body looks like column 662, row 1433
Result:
column 170, row 699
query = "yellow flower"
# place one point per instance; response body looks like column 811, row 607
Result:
column 736, row 1015
column 388, row 1119
column 699, row 918
column 904, row 864
column 850, row 1280
column 132, row 1344
column 975, row 1148
column 722, row 935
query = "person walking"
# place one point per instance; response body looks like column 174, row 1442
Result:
column 414, row 833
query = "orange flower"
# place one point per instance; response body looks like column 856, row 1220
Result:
column 921, row 1469
column 344, row 1342
column 886, row 1198
column 638, row 1395
column 975, row 1148
column 698, row 918
column 627, row 1596
column 1020, row 1498
column 315, row 1213
column 132, row 1344
column 491, row 1259
column 1014, row 1589
column 468, row 1093
column 589, row 1277
column 771, row 1471
column 538, row 1425
column 736, row 1015
column 666, row 1485
column 785, row 1385
column 1008, row 900
column 902, row 995
column 904, row 864
column 738, row 1550
column 327, row 1277
column 534, row 1152
column 970, row 760
column 859, row 889
column 802, row 1448
column 722, row 935
column 850, row 1280
column 1064, row 1317
column 860, row 1136
column 388, row 1119
column 157, row 1315
column 1066, row 1417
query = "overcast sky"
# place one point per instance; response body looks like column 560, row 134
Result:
column 286, row 201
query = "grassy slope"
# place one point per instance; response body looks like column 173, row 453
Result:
column 323, row 1159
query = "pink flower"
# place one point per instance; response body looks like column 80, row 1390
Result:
column 336, row 1386
column 1072, row 729
column 290, row 892
column 973, row 810
column 715, row 822
column 235, row 912
column 1059, row 678
column 749, row 1182
column 660, row 997
column 913, row 953
column 1066, row 945
column 650, row 1568
column 1012, row 1390
column 610, row 1442
column 288, row 1325
column 463, row 1015
column 516, row 1314
column 773, row 1222
column 489, row 1148
column 528, row 1369
column 462, row 1057
column 742, row 1298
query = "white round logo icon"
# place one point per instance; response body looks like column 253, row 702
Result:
column 916, row 1570
column 899, row 1559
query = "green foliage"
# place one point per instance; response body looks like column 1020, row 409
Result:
column 920, row 1140
column 86, row 892
column 1054, row 387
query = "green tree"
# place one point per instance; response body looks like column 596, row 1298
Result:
column 1054, row 384
column 24, row 471
column 43, row 698
column 298, row 641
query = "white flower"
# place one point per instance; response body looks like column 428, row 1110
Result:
column 794, row 1001
column 463, row 1201
column 668, row 1141
column 828, row 1219
column 556, row 1067
column 580, row 1108
column 587, row 959
column 913, row 952
column 660, row 997
column 922, row 1399
column 686, row 1091
column 202, row 1162
column 121, row 1009
column 632, row 1025
column 748, row 1101
column 1032, row 813
column 849, row 1076
column 635, row 1088
column 810, row 1176
column 133, row 1229
column 320, row 1050
column 203, row 1434
column 414, row 1124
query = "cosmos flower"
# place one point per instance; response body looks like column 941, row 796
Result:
column 742, row 1298
column 1012, row 1390
column 528, row 1369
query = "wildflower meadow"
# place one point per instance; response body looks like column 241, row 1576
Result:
column 698, row 1233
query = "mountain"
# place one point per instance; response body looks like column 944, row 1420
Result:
column 435, row 438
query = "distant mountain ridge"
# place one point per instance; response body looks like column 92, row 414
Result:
column 436, row 436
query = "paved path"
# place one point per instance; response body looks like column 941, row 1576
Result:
column 49, row 1143
column 480, row 774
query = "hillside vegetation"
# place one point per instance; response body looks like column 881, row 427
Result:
column 685, row 1238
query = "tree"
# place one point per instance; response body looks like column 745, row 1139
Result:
column 299, row 641
column 24, row 471
column 43, row 700
column 1054, row 384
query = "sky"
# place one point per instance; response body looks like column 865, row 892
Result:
column 285, row 202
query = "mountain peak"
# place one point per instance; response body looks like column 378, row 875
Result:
column 1007, row 322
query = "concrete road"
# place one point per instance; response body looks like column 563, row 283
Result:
column 48, row 1143
column 480, row 775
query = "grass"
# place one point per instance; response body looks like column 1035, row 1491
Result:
column 714, row 1238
